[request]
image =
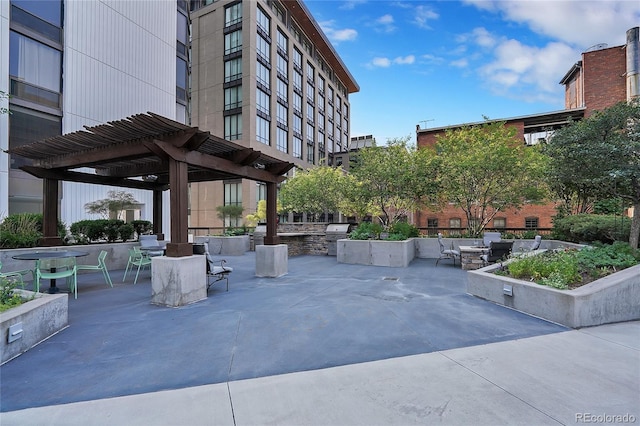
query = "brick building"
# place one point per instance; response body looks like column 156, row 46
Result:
column 603, row 77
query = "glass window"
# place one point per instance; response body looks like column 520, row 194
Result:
column 233, row 42
column 263, row 48
column 263, row 129
column 281, row 114
column 297, row 124
column 50, row 11
column 297, row 58
column 432, row 223
column 310, row 112
column 310, row 73
column 263, row 102
column 500, row 222
column 232, row 69
column 233, row 127
column 455, row 222
column 283, row 42
column 27, row 126
column 183, row 29
column 232, row 197
column 311, row 93
column 263, row 21
column 297, row 80
column 281, row 140
column 282, row 90
column 297, row 147
column 232, row 97
column 181, row 79
column 310, row 133
column 282, row 66
column 33, row 62
column 297, row 103
column 233, row 14
column 263, row 75
column 531, row 222
column 310, row 152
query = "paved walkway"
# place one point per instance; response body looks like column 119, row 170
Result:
column 326, row 344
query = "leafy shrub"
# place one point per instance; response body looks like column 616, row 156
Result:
column 366, row 231
column 591, row 227
column 405, row 229
column 87, row 231
column 20, row 230
column 126, row 231
column 8, row 298
column 141, row 227
column 565, row 268
column 240, row 230
column 112, row 229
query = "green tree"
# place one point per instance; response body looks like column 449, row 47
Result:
column 231, row 211
column 485, row 169
column 394, row 180
column 113, row 206
column 599, row 158
column 317, row 190
column 261, row 213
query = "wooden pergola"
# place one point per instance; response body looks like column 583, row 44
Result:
column 148, row 151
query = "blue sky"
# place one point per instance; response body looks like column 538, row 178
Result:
column 438, row 63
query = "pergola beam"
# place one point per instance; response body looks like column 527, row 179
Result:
column 88, row 178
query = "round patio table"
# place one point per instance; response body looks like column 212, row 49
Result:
column 36, row 255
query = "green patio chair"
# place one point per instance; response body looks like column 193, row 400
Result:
column 55, row 268
column 101, row 266
column 139, row 259
column 18, row 275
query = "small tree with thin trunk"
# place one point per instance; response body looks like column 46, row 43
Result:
column 115, row 205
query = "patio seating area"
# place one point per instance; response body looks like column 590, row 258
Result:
column 321, row 314
column 327, row 343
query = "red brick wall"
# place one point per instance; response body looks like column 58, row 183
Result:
column 604, row 78
column 514, row 218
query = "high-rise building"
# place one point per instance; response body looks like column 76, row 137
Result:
column 265, row 76
column 69, row 64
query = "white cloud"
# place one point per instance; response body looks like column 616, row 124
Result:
column 432, row 59
column 406, row 60
column 576, row 22
column 384, row 62
column 338, row 35
column 351, row 4
column 460, row 63
column 381, row 62
column 423, row 15
column 483, row 38
column 385, row 23
column 520, row 69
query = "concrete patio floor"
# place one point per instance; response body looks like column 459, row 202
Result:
column 320, row 315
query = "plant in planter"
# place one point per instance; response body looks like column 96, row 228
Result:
column 567, row 269
column 8, row 297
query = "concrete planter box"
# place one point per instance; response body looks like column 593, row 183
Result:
column 614, row 298
column 377, row 253
column 38, row 319
column 226, row 246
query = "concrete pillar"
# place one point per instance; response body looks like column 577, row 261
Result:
column 178, row 281
column 271, row 260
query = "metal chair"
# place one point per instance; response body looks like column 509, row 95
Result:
column 57, row 267
column 447, row 253
column 498, row 250
column 139, row 259
column 217, row 272
column 16, row 274
column 101, row 266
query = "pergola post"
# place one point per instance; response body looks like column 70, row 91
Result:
column 179, row 187
column 50, row 213
column 157, row 213
column 271, row 237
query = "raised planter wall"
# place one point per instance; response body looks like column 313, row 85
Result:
column 117, row 255
column 236, row 245
column 614, row 298
column 377, row 253
column 38, row 319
